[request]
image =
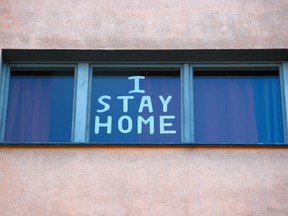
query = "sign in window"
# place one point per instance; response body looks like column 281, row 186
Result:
column 135, row 106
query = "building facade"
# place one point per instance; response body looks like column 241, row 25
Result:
column 143, row 107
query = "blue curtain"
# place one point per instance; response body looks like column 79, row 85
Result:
column 39, row 107
column 238, row 109
column 28, row 110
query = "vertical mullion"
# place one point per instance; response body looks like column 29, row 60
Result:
column 191, row 104
column 284, row 90
column 187, row 135
column 2, row 94
column 81, row 103
column 4, row 89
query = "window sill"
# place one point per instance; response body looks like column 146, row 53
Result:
column 147, row 145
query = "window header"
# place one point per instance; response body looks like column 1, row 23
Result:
column 129, row 56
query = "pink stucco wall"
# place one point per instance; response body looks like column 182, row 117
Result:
column 143, row 181
column 150, row 180
column 149, row 24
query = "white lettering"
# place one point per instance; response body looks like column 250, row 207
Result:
column 107, row 124
column 136, row 84
column 165, row 102
column 145, row 102
column 141, row 120
column 125, row 101
column 129, row 124
column 106, row 105
column 163, row 124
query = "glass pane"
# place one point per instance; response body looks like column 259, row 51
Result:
column 135, row 106
column 40, row 106
column 238, row 107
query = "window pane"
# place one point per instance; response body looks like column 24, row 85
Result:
column 135, row 106
column 238, row 107
column 40, row 106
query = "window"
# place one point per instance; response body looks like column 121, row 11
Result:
column 40, row 103
column 237, row 106
column 144, row 103
column 135, row 105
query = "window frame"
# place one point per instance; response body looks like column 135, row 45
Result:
column 5, row 81
column 136, row 66
column 282, row 68
column 82, row 94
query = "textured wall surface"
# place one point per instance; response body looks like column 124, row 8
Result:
column 164, row 181
column 143, row 181
column 149, row 24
